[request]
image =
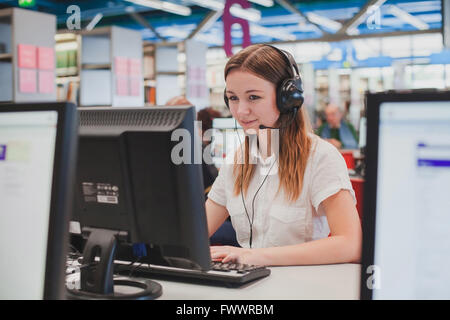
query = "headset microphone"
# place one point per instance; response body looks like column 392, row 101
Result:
column 261, row 126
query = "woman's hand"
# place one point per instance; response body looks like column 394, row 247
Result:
column 235, row 254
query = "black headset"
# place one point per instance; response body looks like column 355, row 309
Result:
column 290, row 91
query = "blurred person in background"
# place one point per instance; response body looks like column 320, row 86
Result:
column 336, row 130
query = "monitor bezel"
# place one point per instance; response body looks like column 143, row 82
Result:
column 373, row 102
column 61, row 190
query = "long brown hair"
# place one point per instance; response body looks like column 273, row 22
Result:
column 294, row 145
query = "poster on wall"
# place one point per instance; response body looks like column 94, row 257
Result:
column 196, row 85
column 26, row 56
column 27, row 81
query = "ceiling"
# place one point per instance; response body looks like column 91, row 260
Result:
column 285, row 20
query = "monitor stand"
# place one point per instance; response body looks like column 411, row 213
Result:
column 97, row 272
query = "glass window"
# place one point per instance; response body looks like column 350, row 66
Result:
column 428, row 76
column 396, row 46
column 426, row 44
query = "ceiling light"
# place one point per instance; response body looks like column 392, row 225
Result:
column 236, row 10
column 407, row 17
column 276, row 33
column 265, row 3
column 94, row 21
column 323, row 21
column 249, row 14
column 164, row 6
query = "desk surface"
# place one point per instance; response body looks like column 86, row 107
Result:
column 324, row 282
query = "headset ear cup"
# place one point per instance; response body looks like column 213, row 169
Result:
column 289, row 95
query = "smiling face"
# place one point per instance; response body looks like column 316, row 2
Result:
column 252, row 100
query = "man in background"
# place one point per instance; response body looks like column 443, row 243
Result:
column 336, row 130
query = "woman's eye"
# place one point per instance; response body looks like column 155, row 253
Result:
column 232, row 98
column 253, row 97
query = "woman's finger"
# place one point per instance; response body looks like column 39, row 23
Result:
column 218, row 255
column 232, row 257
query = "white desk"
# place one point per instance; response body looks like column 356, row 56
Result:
column 322, row 282
column 325, row 282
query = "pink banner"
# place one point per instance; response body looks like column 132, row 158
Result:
column 26, row 56
column 229, row 20
column 46, row 82
column 46, row 58
column 27, row 81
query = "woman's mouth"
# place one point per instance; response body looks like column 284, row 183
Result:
column 248, row 123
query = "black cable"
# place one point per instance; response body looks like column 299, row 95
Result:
column 135, row 267
column 253, row 202
column 242, row 194
column 242, row 180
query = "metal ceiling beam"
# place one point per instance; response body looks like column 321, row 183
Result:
column 291, row 8
column 339, row 37
column 206, row 23
column 360, row 15
column 143, row 22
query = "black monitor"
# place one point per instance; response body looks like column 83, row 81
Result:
column 139, row 180
column 37, row 157
column 406, row 196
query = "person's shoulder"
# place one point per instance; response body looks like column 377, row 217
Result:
column 350, row 125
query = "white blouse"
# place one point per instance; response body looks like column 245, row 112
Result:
column 277, row 222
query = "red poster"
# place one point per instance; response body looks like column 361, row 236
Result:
column 46, row 82
column 134, row 67
column 46, row 58
column 121, row 86
column 27, row 56
column 27, row 81
column 135, row 86
column 121, row 66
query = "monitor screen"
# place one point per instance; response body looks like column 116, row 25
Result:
column 411, row 209
column 29, row 154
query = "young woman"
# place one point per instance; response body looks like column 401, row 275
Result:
column 304, row 213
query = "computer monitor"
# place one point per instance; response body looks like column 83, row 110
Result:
column 139, row 180
column 406, row 197
column 37, row 156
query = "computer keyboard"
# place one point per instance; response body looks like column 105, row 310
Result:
column 222, row 274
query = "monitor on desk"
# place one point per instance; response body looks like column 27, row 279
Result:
column 37, row 153
column 139, row 180
column 406, row 207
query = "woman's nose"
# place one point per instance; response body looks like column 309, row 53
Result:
column 243, row 108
